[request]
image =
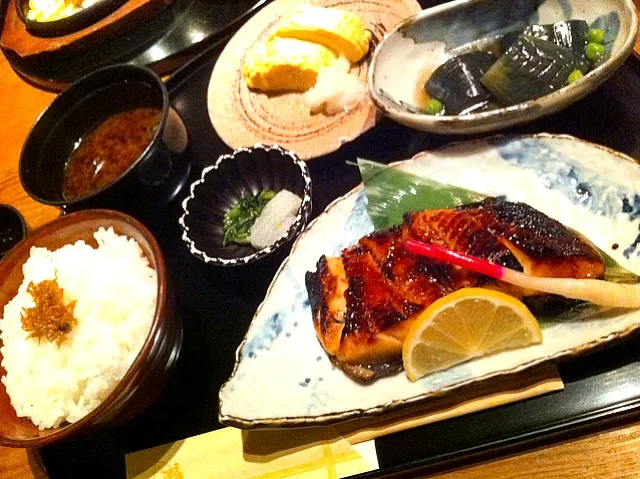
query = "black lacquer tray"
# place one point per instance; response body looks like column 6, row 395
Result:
column 217, row 305
column 164, row 43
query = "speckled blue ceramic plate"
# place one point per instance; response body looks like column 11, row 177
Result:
column 587, row 187
column 415, row 48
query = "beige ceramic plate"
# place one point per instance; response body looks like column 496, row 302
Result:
column 242, row 117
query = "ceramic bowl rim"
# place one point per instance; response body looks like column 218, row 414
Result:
column 302, row 216
column 89, row 421
column 62, row 97
column 500, row 117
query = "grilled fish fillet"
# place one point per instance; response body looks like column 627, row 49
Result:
column 364, row 301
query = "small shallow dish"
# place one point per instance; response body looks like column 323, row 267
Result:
column 13, row 228
column 74, row 22
column 151, row 369
column 220, row 186
column 404, row 60
column 152, row 180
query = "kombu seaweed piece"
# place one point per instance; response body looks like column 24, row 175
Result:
column 530, row 68
column 456, row 83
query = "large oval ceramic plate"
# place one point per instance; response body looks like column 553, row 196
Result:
column 586, row 187
column 242, row 117
column 417, row 46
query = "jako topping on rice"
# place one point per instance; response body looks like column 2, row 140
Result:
column 62, row 376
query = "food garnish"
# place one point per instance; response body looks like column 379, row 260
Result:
column 574, row 76
column 51, row 318
column 532, row 62
column 466, row 324
column 109, row 150
column 301, row 47
column 237, row 223
column 603, row 293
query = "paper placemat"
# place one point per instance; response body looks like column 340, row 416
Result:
column 322, row 452
column 231, row 453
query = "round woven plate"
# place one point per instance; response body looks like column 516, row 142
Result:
column 242, row 117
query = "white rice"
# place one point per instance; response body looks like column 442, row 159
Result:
column 115, row 289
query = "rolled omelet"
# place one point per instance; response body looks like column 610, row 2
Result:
column 339, row 30
column 285, row 64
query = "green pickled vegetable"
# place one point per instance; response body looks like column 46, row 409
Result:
column 595, row 35
column 434, row 107
column 595, row 52
column 574, row 76
column 237, row 223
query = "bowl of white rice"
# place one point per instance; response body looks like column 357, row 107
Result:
column 246, row 205
column 88, row 330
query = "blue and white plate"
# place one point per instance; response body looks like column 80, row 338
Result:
column 416, row 47
column 283, row 376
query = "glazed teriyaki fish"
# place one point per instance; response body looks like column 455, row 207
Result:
column 364, row 301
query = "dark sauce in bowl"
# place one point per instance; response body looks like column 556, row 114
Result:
column 109, row 150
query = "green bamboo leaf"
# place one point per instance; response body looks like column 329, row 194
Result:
column 392, row 192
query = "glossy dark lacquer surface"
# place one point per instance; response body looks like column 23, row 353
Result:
column 12, row 228
column 245, row 171
column 147, row 376
column 172, row 37
column 152, row 179
column 217, row 306
column 72, row 23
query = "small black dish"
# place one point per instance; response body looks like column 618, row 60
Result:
column 220, row 186
column 153, row 179
column 63, row 26
column 13, row 228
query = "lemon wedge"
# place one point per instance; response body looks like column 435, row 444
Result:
column 466, row 324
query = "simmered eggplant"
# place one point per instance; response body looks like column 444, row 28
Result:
column 456, row 83
column 529, row 69
column 544, row 32
column 569, row 34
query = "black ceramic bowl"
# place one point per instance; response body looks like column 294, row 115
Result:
column 151, row 181
column 13, row 229
column 77, row 21
column 220, row 186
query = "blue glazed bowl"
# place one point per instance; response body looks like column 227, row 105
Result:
column 403, row 61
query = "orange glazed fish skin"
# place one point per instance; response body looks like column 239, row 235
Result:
column 364, row 301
